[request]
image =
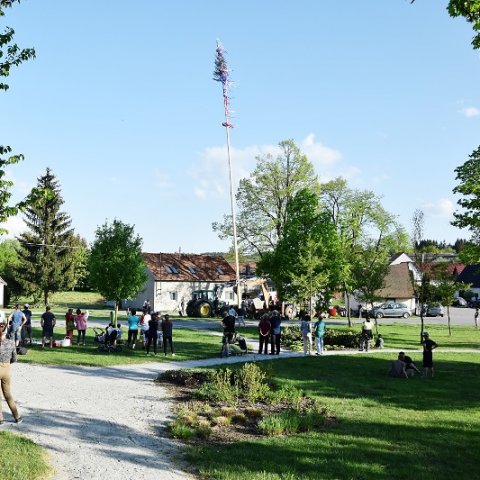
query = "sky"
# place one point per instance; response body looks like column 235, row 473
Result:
column 121, row 105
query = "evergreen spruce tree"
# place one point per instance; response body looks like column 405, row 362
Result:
column 45, row 262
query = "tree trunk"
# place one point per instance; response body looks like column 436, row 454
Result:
column 45, row 297
column 347, row 306
column 421, row 324
column 448, row 317
column 115, row 315
column 376, row 321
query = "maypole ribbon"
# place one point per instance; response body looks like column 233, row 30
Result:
column 221, row 74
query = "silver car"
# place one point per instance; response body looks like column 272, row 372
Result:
column 392, row 309
column 435, row 311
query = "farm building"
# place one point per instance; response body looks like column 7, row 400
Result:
column 174, row 276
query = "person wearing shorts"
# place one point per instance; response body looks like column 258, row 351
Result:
column 47, row 322
column 16, row 320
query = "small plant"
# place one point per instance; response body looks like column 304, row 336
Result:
column 219, row 388
column 181, row 431
column 204, row 429
column 291, row 421
column 227, row 411
column 222, row 421
column 239, row 417
column 253, row 412
column 250, row 380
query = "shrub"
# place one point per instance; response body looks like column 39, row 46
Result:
column 253, row 412
column 288, row 394
column 222, row 421
column 188, row 377
column 227, row 411
column 292, row 338
column 219, row 388
column 239, row 417
column 251, row 384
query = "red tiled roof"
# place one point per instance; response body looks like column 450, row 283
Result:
column 183, row 267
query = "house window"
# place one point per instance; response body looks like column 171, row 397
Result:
column 191, row 269
column 173, row 296
column 171, row 269
column 229, row 295
column 219, row 270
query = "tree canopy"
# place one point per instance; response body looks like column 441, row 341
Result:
column 116, row 265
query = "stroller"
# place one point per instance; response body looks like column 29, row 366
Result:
column 99, row 335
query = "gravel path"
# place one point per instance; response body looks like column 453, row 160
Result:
column 109, row 422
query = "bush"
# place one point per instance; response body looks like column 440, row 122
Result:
column 187, row 377
column 182, row 431
column 251, row 384
column 219, row 388
column 292, row 338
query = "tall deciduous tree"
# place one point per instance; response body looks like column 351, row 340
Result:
column 116, row 265
column 44, row 253
column 10, row 55
column 469, row 215
column 262, row 198
column 306, row 262
column 361, row 223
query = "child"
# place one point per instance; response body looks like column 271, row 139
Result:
column 428, row 346
column 379, row 342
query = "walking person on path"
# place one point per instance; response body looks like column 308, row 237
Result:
column 81, row 324
column 264, row 329
column 47, row 321
column 475, row 317
column 16, row 320
column 319, row 332
column 428, row 346
column 167, row 332
column 8, row 355
column 306, row 330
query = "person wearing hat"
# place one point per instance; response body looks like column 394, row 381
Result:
column 428, row 346
column 27, row 326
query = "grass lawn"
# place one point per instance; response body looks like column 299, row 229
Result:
column 407, row 336
column 189, row 345
column 387, row 428
column 20, row 459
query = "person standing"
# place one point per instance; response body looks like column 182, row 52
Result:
column 81, row 325
column 69, row 324
column 366, row 335
column 167, row 332
column 276, row 322
column 360, row 310
column 152, row 333
column 8, row 355
column 319, row 332
column 133, row 322
column 228, row 324
column 27, row 326
column 264, row 328
column 47, row 322
column 476, row 317
column 306, row 331
column 241, row 315
column 428, row 346
column 16, row 320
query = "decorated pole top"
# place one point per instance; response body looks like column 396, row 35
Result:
column 221, row 74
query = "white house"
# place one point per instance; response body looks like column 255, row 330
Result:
column 174, row 276
column 3, row 284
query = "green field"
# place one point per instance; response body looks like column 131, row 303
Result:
column 387, row 428
column 189, row 345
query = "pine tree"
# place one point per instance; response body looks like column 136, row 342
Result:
column 45, row 260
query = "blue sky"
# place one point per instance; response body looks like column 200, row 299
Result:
column 121, row 105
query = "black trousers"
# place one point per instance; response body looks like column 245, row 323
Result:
column 275, row 342
column 167, row 340
column 263, row 344
column 152, row 337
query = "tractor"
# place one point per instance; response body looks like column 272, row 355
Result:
column 205, row 303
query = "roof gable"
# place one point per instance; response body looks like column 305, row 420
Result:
column 470, row 274
column 183, row 267
column 398, row 283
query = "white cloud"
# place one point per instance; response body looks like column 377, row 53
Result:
column 161, row 180
column 442, row 208
column 15, row 226
column 213, row 165
column 470, row 112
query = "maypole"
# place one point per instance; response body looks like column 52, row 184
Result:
column 221, row 74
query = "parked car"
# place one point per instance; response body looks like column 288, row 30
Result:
column 435, row 311
column 460, row 302
column 392, row 309
column 474, row 303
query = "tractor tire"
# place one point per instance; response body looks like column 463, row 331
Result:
column 190, row 309
column 203, row 310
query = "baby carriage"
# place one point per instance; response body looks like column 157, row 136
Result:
column 99, row 335
column 110, row 343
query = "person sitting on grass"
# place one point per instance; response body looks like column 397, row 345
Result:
column 397, row 369
column 379, row 342
column 238, row 346
column 410, row 366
